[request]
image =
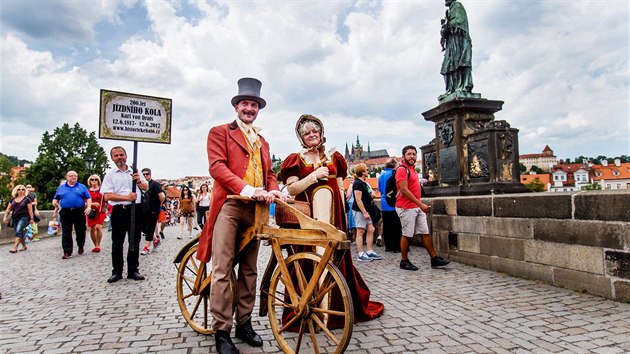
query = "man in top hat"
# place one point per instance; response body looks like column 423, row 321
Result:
column 240, row 164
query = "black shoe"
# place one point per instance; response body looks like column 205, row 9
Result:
column 439, row 262
column 246, row 333
column 224, row 343
column 114, row 278
column 162, row 235
column 406, row 265
column 135, row 276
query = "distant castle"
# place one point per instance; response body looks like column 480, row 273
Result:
column 545, row 160
column 357, row 154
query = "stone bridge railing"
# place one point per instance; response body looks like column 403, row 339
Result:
column 579, row 241
column 7, row 235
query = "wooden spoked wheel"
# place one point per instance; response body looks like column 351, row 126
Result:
column 330, row 306
column 193, row 297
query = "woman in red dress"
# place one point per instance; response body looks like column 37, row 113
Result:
column 316, row 176
column 95, row 224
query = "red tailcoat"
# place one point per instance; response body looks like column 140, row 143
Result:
column 228, row 158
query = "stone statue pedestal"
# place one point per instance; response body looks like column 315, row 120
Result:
column 458, row 94
column 472, row 153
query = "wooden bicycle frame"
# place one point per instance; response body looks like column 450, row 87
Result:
column 311, row 233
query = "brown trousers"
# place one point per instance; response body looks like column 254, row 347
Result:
column 235, row 216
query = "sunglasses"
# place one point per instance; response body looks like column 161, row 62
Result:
column 93, row 179
column 21, row 189
column 146, row 174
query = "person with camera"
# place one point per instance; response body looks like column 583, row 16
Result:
column 72, row 197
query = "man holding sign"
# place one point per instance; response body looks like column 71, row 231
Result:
column 117, row 189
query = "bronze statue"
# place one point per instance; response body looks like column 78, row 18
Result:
column 457, row 47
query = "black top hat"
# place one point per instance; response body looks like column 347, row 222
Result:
column 249, row 89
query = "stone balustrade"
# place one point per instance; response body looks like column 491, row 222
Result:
column 7, row 234
column 579, row 241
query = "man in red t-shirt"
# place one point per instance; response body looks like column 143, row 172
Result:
column 412, row 212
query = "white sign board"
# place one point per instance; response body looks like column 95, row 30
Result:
column 129, row 116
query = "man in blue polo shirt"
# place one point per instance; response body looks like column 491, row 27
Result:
column 72, row 197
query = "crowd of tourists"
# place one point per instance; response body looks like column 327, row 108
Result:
column 80, row 209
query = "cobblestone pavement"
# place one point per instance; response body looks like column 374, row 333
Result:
column 52, row 305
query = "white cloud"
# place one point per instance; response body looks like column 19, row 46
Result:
column 65, row 22
column 38, row 94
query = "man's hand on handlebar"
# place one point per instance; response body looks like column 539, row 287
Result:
column 268, row 197
column 279, row 195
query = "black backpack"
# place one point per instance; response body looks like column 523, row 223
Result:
column 391, row 190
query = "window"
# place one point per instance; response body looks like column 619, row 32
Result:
column 618, row 185
column 598, row 173
column 616, row 172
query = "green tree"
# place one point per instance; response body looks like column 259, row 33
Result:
column 522, row 169
column 537, row 169
column 65, row 149
column 276, row 164
column 536, row 185
column 5, row 181
column 15, row 161
column 581, row 159
column 592, row 187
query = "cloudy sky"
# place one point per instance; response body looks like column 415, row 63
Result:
column 366, row 68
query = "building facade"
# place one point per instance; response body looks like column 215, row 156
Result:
column 545, row 160
column 612, row 176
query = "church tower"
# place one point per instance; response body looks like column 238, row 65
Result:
column 357, row 151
